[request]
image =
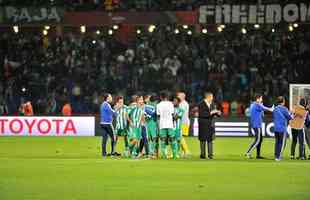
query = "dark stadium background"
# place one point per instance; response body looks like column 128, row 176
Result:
column 119, row 54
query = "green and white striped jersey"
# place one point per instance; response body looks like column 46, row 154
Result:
column 121, row 119
column 135, row 114
column 178, row 113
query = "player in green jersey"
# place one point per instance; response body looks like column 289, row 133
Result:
column 177, row 120
column 136, row 120
column 121, row 128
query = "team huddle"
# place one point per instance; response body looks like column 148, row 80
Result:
column 148, row 127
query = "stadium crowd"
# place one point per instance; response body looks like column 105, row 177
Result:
column 47, row 69
column 132, row 5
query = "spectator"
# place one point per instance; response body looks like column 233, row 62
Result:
column 28, row 111
column 233, row 108
column 66, row 109
column 225, row 107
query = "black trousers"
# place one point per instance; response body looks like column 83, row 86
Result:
column 144, row 142
column 279, row 144
column 203, row 144
column 307, row 133
column 257, row 142
column 107, row 131
column 300, row 136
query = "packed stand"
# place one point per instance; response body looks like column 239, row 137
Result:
column 132, row 5
column 49, row 70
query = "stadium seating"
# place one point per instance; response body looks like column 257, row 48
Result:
column 81, row 66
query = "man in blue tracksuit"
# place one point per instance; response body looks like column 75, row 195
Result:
column 106, row 119
column 149, row 112
column 256, row 119
column 280, row 117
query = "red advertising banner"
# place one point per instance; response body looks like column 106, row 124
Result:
column 105, row 18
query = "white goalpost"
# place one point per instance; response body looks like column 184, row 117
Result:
column 298, row 91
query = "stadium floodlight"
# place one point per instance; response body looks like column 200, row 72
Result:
column 138, row 31
column 244, row 31
column 185, row 26
column 219, row 29
column 290, row 28
column 152, row 28
column 204, row 30
column 45, row 32
column 47, row 27
column 83, row 29
column 98, row 32
column 189, row 32
column 16, row 29
column 176, row 31
column 110, row 32
column 295, row 25
column 273, row 30
column 115, row 27
column 256, row 26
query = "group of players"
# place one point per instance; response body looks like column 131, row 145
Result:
column 148, row 127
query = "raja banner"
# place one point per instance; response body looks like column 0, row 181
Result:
column 47, row 126
column 252, row 14
column 32, row 15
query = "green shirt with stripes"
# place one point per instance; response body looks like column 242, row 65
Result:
column 135, row 114
column 121, row 119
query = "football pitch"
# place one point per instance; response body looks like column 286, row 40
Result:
column 56, row 168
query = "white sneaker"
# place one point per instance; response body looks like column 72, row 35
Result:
column 248, row 155
column 277, row 159
column 187, row 155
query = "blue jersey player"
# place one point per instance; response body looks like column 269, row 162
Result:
column 280, row 117
column 257, row 110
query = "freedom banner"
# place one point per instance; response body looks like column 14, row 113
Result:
column 252, row 14
column 47, row 126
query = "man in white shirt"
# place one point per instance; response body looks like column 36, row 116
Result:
column 165, row 112
column 185, row 122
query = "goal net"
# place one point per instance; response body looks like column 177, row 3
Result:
column 298, row 91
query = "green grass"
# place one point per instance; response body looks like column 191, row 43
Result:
column 71, row 168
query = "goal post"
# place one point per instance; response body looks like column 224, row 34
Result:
column 298, row 91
